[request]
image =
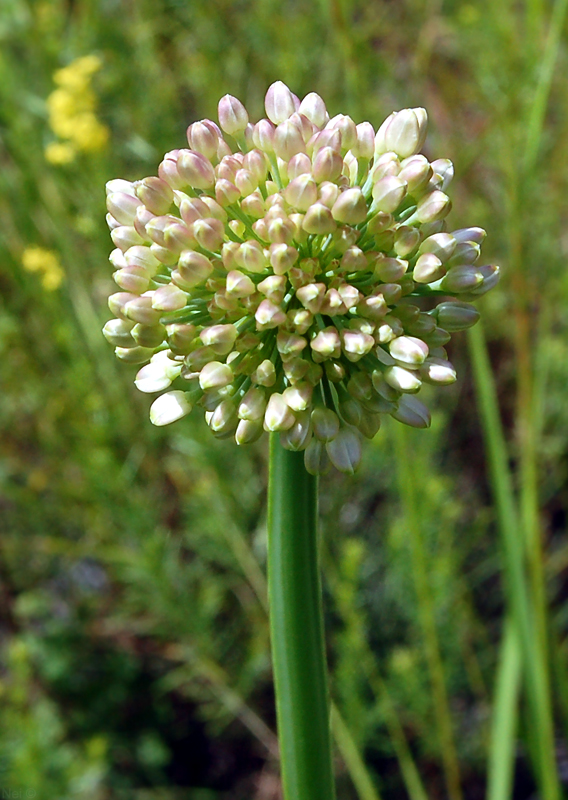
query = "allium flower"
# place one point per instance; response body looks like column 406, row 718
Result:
column 295, row 275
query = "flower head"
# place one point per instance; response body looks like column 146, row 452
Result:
column 295, row 275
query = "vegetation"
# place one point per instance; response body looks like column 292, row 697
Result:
column 134, row 651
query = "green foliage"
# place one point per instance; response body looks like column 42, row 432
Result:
column 134, row 633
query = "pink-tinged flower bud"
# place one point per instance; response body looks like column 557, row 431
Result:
column 301, row 192
column 406, row 240
column 215, row 375
column 438, row 371
column 229, row 255
column 254, row 205
column 387, row 269
column 273, row 287
column 263, row 136
column 193, row 269
column 326, row 344
column 373, row 307
column 432, row 207
column 300, row 164
column 318, row 220
column 156, row 194
column 288, row 141
column 296, row 368
column 412, row 412
column 253, row 405
column 409, row 350
column 332, row 304
column 441, row 245
column 350, row 207
column 349, row 295
column 328, row 193
column 195, row 169
column 298, row 397
column 403, row 132
column 178, row 236
column 281, row 231
column 278, row 416
column 132, row 280
column 416, row 171
column 490, row 278
column 204, row 136
column 220, row 338
column 112, row 222
column 476, row 235
column 246, row 182
column 233, row 117
column 388, row 194
column 248, row 431
column 125, row 237
column 261, row 230
column 330, row 137
column 299, row 435
column 120, row 185
column 117, row 303
column 123, row 207
column 117, row 333
column 168, row 171
column 251, row 256
column 223, row 420
column 456, row 316
column 156, row 228
column 155, row 376
column 316, row 459
column 304, row 125
column 402, row 379
column 313, row 107
column 256, row 162
column 290, row 344
column 380, row 223
column 300, row 320
column 465, row 278
column 345, row 451
column 199, row 357
column 364, row 147
column 191, row 208
column 239, row 285
column 279, row 103
column 265, row 374
column 269, row 315
column 209, row 233
column 228, row 167
column 356, row 344
column 327, row 165
column 311, row 296
column 149, row 335
column 282, row 257
column 354, row 260
column 226, row 192
column 169, row 407
column 465, row 253
column 428, row 269
column 134, row 355
column 345, row 125
column 140, row 310
column 180, row 337
column 443, row 172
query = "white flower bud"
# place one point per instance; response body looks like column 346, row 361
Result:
column 403, row 380
column 476, row 235
column 269, row 315
column 169, row 407
column 326, row 343
column 444, row 170
column 364, row 147
column 278, row 416
column 350, row 207
column 356, row 344
column 299, row 164
column 301, row 192
column 403, row 132
column 433, row 206
column 265, row 374
column 428, row 269
column 313, row 107
column 117, row 333
column 220, row 338
column 193, row 269
column 233, row 116
column 215, row 375
column 248, row 431
column 388, row 193
column 409, row 350
column 288, row 141
column 279, row 103
column 195, row 169
column 123, row 207
column 438, row 371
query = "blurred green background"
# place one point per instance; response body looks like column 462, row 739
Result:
column 134, row 656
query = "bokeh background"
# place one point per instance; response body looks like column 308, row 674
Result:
column 134, row 654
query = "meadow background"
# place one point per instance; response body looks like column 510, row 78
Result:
column 134, row 659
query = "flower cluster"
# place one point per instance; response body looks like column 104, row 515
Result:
column 72, row 108
column 293, row 275
column 46, row 263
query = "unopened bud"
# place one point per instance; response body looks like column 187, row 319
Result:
column 117, row 333
column 279, row 103
column 269, row 315
column 278, row 416
column 248, row 431
column 169, row 407
column 345, row 451
column 265, row 374
column 350, row 207
column 402, row 379
column 313, row 107
column 428, row 269
column 195, row 169
column 456, row 316
column 233, row 117
column 388, row 193
column 433, row 206
column 326, row 344
column 169, row 298
column 403, row 132
column 250, row 256
column 412, row 412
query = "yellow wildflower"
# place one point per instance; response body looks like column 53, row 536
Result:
column 38, row 259
column 72, row 108
column 60, row 153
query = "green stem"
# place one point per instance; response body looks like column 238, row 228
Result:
column 296, row 628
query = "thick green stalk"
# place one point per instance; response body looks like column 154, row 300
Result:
column 296, row 628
